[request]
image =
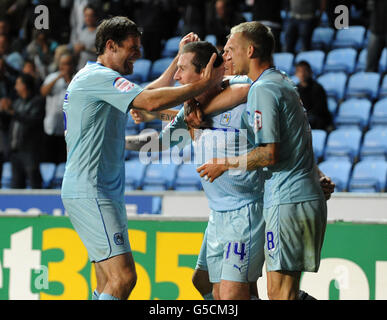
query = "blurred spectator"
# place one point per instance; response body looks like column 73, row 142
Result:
column 41, row 50
column 269, row 14
column 54, row 89
column 29, row 67
column 378, row 34
column 26, row 131
column 313, row 97
column 16, row 44
column 194, row 17
column 84, row 48
column 7, row 93
column 304, row 18
column 12, row 58
column 222, row 16
column 59, row 51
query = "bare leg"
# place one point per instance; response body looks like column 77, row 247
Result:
column 201, row 281
column 233, row 290
column 120, row 274
column 283, row 285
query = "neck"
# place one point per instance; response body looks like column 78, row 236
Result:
column 257, row 68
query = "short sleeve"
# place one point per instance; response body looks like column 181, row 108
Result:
column 114, row 89
column 263, row 113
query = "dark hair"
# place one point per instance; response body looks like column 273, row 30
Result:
column 29, row 82
column 203, row 51
column 304, row 64
column 117, row 29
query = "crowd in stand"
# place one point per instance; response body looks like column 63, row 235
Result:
column 37, row 65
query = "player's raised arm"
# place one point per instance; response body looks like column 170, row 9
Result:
column 167, row 97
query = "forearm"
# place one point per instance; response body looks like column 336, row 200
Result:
column 166, row 79
column 46, row 89
column 259, row 157
column 230, row 97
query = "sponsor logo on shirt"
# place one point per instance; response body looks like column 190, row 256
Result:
column 257, row 121
column 123, row 85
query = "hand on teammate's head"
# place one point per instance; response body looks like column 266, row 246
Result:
column 193, row 115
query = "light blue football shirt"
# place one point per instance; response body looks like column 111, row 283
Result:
column 275, row 114
column 235, row 188
column 95, row 109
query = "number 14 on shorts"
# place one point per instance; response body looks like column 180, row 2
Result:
column 237, row 249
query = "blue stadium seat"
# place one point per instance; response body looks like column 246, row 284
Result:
column 315, row 58
column 159, row 176
column 332, row 106
column 134, row 174
column 339, row 171
column 369, row 176
column 47, row 171
column 318, row 141
column 383, row 88
column 383, row 61
column 58, row 177
column 363, row 84
column 353, row 37
column 322, row 38
column 141, row 69
column 158, row 67
column 6, row 175
column 284, row 61
column 343, row 59
column 334, row 84
column 171, row 47
column 343, row 143
column 211, row 38
column 361, row 60
column 374, row 144
column 248, row 15
column 354, row 112
column 379, row 115
column 187, row 178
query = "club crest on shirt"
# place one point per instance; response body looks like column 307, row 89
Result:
column 122, row 84
column 257, row 121
column 226, row 118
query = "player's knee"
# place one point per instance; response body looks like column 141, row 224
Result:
column 281, row 293
column 124, row 281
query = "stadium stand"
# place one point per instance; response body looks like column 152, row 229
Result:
column 339, row 171
column 343, row 59
column 369, row 176
column 354, row 112
column 379, row 115
column 343, row 143
column 334, row 84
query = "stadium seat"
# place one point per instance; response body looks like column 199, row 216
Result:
column 369, row 176
column 211, row 38
column 341, row 60
column 58, row 177
column 47, row 171
column 158, row 67
column 322, row 38
column 187, row 178
column 134, row 174
column 171, row 47
column 383, row 61
column 353, row 37
column 374, row 144
column 361, row 60
column 315, row 58
column 339, row 171
column 363, row 84
column 353, row 112
column 284, row 61
column 334, row 84
column 318, row 141
column 379, row 115
column 6, row 175
column 332, row 106
column 383, row 88
column 141, row 69
column 343, row 143
column 159, row 176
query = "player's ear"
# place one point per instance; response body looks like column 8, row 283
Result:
column 250, row 51
column 111, row 45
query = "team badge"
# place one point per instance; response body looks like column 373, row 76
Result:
column 226, row 118
column 118, row 238
column 122, row 84
column 257, row 121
